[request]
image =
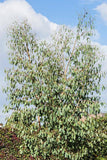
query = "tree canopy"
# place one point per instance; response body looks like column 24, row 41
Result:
column 51, row 85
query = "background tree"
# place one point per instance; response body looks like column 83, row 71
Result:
column 58, row 82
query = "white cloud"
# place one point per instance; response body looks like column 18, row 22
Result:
column 12, row 10
column 102, row 9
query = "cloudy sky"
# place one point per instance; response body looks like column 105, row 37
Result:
column 44, row 17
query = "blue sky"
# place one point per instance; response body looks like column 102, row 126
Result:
column 67, row 11
column 44, row 17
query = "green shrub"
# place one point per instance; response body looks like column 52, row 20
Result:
column 10, row 145
column 102, row 158
column 102, row 127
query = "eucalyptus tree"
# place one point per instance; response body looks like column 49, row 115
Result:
column 51, row 87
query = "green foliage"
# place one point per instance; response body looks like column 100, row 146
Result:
column 10, row 145
column 102, row 127
column 51, row 86
column 101, row 158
